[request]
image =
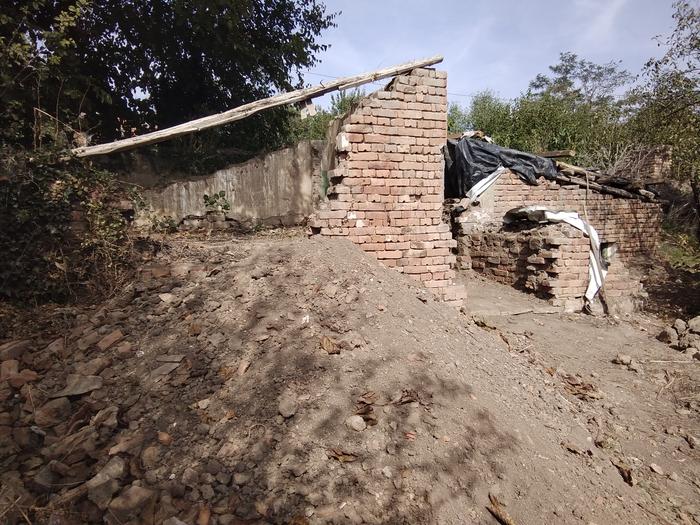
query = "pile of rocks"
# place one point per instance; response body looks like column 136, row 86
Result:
column 683, row 336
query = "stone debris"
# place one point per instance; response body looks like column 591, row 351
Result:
column 356, row 423
column 77, row 384
column 283, row 397
column 287, row 406
column 683, row 336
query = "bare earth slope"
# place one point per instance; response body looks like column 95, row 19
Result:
column 288, row 380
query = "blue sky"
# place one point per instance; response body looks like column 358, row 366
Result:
column 499, row 44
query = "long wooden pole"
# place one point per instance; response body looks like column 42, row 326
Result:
column 253, row 107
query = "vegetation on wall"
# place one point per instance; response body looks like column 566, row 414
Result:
column 314, row 127
column 59, row 233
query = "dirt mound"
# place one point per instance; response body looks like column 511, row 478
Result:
column 287, row 380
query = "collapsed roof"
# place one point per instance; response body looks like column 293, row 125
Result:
column 469, row 161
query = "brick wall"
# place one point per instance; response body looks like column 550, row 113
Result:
column 550, row 261
column 635, row 225
column 386, row 189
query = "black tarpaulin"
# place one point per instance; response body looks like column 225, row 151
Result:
column 467, row 161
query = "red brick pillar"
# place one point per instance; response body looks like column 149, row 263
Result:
column 387, row 187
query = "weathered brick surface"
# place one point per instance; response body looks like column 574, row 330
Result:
column 550, row 261
column 387, row 185
column 635, row 225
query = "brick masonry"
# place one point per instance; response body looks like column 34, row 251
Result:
column 634, row 224
column 386, row 188
column 552, row 260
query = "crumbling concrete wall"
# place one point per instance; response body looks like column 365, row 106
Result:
column 278, row 188
column 387, row 184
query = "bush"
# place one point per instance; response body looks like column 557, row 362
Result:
column 60, row 234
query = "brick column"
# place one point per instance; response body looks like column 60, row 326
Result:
column 387, row 186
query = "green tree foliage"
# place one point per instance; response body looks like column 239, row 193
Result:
column 574, row 107
column 669, row 101
column 315, row 126
column 457, row 118
column 121, row 67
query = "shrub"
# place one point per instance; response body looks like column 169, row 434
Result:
column 60, row 233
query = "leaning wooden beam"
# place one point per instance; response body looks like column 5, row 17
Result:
column 250, row 109
column 618, row 192
column 568, row 172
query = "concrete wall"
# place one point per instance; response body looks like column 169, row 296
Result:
column 279, row 188
column 387, row 181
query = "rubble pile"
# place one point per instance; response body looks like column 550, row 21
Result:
column 290, row 380
column 683, row 336
column 187, row 398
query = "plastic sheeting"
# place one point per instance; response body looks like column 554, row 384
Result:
column 468, row 161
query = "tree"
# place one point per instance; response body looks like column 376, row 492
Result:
column 669, row 102
column 492, row 116
column 457, row 118
column 315, row 126
column 581, row 80
column 120, row 67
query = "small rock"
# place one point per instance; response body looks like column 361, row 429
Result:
column 241, row 478
column 176, row 489
column 213, row 467
column 43, row 480
column 673, row 476
column 224, row 478
column 243, row 367
column 107, row 417
column 8, row 369
column 14, row 349
column 287, row 406
column 165, row 439
column 225, row 519
column 21, row 379
column 167, row 298
column 150, row 457
column 108, row 340
column 622, row 359
column 207, row 491
column 125, row 348
column 689, row 339
column 190, row 477
column 88, row 340
column 694, row 324
column 101, row 488
column 668, row 336
column 92, row 367
column 130, row 503
column 655, row 468
column 53, row 412
column 356, row 423
column 386, row 472
column 680, row 326
column 175, row 521
column 77, row 384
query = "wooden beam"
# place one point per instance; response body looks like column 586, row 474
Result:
column 251, row 108
column 558, row 154
column 568, row 172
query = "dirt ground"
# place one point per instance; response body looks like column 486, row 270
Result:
column 280, row 379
